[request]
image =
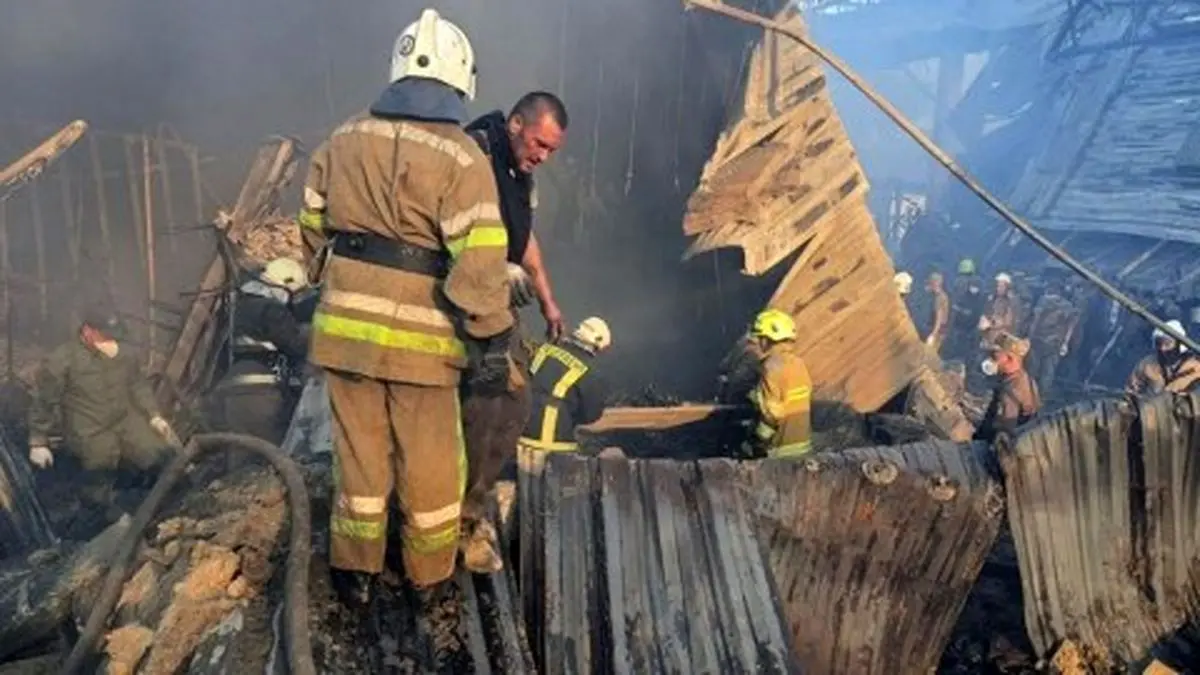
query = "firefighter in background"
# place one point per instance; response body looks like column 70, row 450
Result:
column 783, row 397
column 1001, row 312
column 270, row 342
column 1170, row 368
column 940, row 321
column 1051, row 331
column 413, row 292
column 515, row 146
column 567, row 392
column 92, row 390
column 1015, row 398
column 966, row 306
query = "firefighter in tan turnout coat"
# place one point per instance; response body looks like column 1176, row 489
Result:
column 401, row 217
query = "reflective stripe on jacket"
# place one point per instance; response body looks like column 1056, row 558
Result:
column 425, row 184
column 783, row 399
column 565, row 394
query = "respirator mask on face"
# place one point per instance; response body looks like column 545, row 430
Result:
column 989, row 367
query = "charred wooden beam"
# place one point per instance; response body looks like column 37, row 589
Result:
column 36, row 594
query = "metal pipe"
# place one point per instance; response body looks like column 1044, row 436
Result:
column 946, row 161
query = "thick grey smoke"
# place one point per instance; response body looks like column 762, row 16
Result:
column 648, row 88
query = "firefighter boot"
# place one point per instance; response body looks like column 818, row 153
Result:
column 354, row 589
column 481, row 548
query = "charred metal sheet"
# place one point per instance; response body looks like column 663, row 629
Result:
column 874, row 550
column 850, row 562
column 652, row 567
column 1103, row 499
column 23, row 523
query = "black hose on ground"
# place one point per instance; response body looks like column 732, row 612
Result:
column 939, row 155
column 299, row 645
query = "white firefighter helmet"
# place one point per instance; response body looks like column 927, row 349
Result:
column 1004, row 278
column 1175, row 325
column 435, row 49
column 904, row 282
column 286, row 273
column 593, row 332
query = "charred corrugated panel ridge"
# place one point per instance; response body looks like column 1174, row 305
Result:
column 1104, row 499
column 653, row 566
column 874, row 550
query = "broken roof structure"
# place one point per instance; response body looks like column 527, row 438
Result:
column 784, row 184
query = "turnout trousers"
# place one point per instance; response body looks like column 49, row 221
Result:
column 406, row 437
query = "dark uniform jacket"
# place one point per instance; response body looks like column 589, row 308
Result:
column 1015, row 401
column 90, row 392
column 566, row 393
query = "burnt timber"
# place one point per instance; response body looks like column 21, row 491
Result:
column 785, row 180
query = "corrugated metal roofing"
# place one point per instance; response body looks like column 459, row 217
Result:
column 854, row 562
column 1104, row 498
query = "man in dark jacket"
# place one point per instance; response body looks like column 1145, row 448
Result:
column 258, row 391
column 515, row 145
column 92, row 391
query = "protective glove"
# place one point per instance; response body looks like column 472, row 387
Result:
column 520, row 286
column 984, row 323
column 1063, row 351
column 41, row 457
column 163, row 427
column 487, row 365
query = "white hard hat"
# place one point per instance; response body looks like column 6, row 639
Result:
column 1003, row 278
column 1174, row 325
column 286, row 273
column 593, row 332
column 904, row 282
column 435, row 49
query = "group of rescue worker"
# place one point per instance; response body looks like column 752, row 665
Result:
column 1025, row 350
column 418, row 255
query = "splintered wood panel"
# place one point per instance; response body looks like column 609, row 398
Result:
column 781, row 169
column 855, row 333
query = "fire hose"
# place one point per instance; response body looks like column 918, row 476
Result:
column 299, row 645
column 946, row 161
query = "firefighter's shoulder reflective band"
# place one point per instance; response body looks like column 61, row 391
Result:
column 386, row 336
column 364, row 530
column 485, row 234
column 799, row 394
column 313, row 220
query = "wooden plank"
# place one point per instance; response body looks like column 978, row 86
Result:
column 659, row 418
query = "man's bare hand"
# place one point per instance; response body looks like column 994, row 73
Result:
column 554, row 321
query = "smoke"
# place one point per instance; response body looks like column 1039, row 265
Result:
column 648, row 88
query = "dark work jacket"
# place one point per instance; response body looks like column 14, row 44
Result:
column 567, row 393
column 515, row 187
column 263, row 314
column 1015, row 401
